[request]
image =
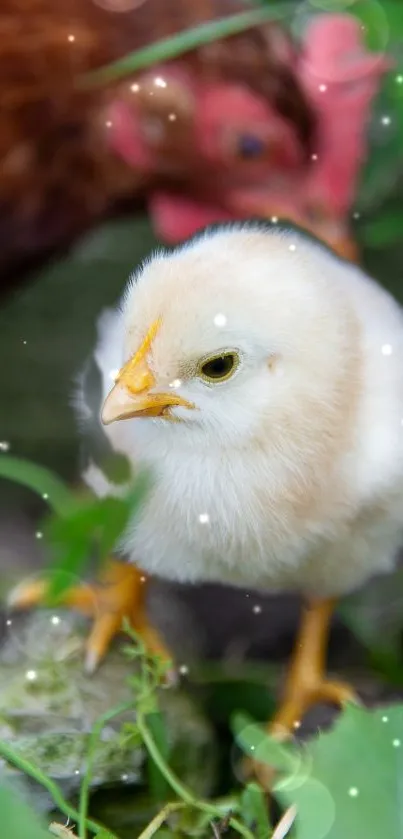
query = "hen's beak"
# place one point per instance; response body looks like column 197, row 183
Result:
column 131, row 395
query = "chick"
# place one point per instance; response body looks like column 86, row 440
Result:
column 261, row 381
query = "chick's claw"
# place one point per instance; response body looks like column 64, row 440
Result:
column 303, row 697
column 118, row 596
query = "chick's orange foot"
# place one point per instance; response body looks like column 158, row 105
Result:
column 306, row 682
column 119, row 595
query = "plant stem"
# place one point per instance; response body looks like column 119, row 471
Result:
column 39, row 479
column 169, row 48
column 34, row 772
column 160, row 818
column 85, row 785
column 178, row 787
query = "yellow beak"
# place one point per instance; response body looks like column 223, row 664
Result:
column 131, row 397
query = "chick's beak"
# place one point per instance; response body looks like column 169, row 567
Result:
column 131, row 395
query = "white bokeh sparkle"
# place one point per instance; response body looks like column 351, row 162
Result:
column 31, row 675
column 220, row 319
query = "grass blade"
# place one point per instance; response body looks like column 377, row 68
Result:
column 169, row 48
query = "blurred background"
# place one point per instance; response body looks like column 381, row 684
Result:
column 126, row 124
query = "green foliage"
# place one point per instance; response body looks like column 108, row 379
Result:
column 225, row 692
column 374, row 615
column 344, row 783
column 254, row 810
column 40, row 480
column 382, row 231
column 354, row 780
column 17, row 819
column 159, row 788
column 77, row 527
column 88, row 525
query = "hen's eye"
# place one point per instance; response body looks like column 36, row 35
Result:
column 220, row 367
column 250, row 146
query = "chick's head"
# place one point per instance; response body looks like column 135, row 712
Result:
column 232, row 335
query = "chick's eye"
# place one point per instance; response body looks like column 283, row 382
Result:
column 219, row 368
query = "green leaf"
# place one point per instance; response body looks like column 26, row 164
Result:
column 18, row 821
column 39, row 479
column 354, row 784
column 394, row 16
column 254, row 810
column 254, row 740
column 90, row 525
column 373, row 16
column 183, row 42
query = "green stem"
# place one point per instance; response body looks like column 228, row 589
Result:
column 34, row 772
column 178, row 787
column 159, row 819
column 39, row 479
column 85, row 785
column 169, row 48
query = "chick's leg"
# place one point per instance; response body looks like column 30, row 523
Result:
column 306, row 682
column 118, row 595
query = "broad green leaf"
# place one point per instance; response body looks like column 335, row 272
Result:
column 354, row 785
column 18, row 821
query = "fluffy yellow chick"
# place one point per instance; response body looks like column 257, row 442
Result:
column 261, row 380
